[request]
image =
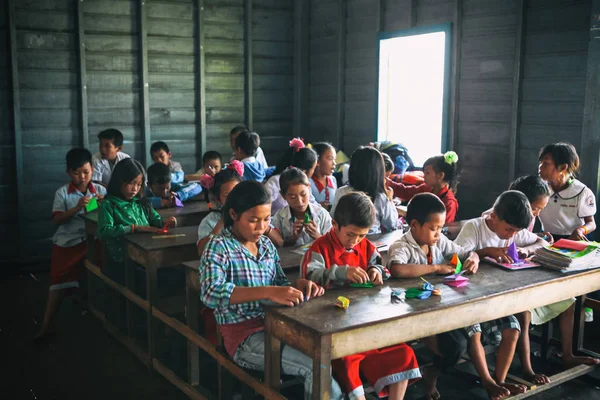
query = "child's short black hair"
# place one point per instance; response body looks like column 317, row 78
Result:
column 422, row 206
column 248, row 142
column 211, row 155
column 78, row 157
column 243, row 197
column 532, row 186
column 321, row 147
column 159, row 173
column 355, row 208
column 292, row 176
column 112, row 134
column 562, row 153
column 513, row 208
column 126, row 171
column 221, row 178
column 447, row 165
column 387, row 162
column 238, row 129
column 158, row 146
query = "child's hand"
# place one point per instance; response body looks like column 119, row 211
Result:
column 445, row 269
column 578, row 234
column 83, row 202
column 165, row 203
column 499, row 254
column 146, row 229
column 297, row 228
column 389, row 192
column 326, row 205
column 471, row 264
column 285, row 295
column 312, row 229
column 357, row 275
column 171, row 221
column 309, row 288
column 99, row 198
column 547, row 236
column 375, row 276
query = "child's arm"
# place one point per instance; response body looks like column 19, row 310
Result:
column 588, row 227
column 388, row 214
column 155, row 220
column 186, row 192
column 375, row 270
column 405, row 192
column 470, row 258
column 528, row 242
column 60, row 213
column 315, row 269
column 107, row 229
column 192, row 177
column 274, row 235
column 403, row 265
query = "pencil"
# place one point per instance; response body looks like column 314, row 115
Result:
column 168, row 236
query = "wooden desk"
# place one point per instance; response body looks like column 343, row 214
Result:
column 325, row 332
column 153, row 254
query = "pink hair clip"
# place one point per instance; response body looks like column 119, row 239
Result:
column 297, row 144
column 207, row 181
column 237, row 166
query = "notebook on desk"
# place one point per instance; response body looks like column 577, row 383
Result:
column 512, row 267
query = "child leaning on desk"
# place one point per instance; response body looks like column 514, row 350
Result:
column 69, row 246
column 345, row 255
column 425, row 250
column 239, row 269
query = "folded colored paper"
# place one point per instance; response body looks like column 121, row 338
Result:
column 91, row 205
column 513, row 253
column 178, row 202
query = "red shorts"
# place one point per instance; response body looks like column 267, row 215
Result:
column 381, row 367
column 66, row 264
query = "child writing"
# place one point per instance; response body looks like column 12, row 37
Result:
column 490, row 237
column 239, row 269
column 345, row 255
column 160, row 153
column 440, row 178
column 367, row 174
column 109, row 154
column 323, row 185
column 69, row 246
column 424, row 250
column 572, row 206
column 211, row 165
column 296, row 156
column 125, row 210
column 300, row 222
column 233, row 134
column 246, row 144
column 162, row 192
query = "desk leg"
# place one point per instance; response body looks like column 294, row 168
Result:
column 192, row 310
column 322, row 369
column 272, row 360
column 151, row 296
column 129, row 284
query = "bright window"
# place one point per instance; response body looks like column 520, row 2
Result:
column 412, row 97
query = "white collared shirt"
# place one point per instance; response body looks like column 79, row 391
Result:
column 103, row 168
column 283, row 221
column 567, row 209
column 407, row 251
column 476, row 235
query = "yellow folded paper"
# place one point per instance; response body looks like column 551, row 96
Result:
column 342, row 302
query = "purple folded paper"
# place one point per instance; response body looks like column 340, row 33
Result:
column 178, row 202
column 513, row 253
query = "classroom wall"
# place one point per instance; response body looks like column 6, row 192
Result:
column 519, row 75
column 83, row 66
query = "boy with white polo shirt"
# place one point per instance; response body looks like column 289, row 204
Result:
column 69, row 246
column 104, row 161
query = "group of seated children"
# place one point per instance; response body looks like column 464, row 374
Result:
column 301, row 205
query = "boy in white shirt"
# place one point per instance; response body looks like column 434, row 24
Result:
column 490, row 237
column 109, row 154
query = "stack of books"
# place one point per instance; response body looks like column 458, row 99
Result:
column 569, row 255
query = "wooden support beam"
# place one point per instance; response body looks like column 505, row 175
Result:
column 200, row 84
column 590, row 137
column 412, row 22
column 301, row 70
column 16, row 120
column 341, row 78
column 381, row 16
column 82, row 77
column 515, row 120
column 452, row 140
column 248, row 64
column 143, row 65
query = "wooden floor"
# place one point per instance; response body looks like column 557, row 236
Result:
column 84, row 362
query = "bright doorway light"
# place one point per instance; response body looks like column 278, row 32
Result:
column 412, row 98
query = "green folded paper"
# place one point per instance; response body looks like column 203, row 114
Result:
column 91, row 205
column 362, row 285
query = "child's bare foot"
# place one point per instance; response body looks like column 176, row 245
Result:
column 574, row 361
column 430, row 379
column 538, row 379
column 514, row 388
column 495, row 391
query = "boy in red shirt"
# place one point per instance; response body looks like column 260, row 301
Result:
column 342, row 256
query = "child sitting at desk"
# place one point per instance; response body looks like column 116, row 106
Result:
column 124, row 211
column 160, row 153
column 69, row 246
column 440, row 178
column 345, row 255
column 425, row 250
column 367, row 174
column 323, row 184
column 300, row 222
column 162, row 193
column 490, row 237
column 239, row 269
column 109, row 154
column 572, row 206
column 260, row 155
column 211, row 165
column 246, row 144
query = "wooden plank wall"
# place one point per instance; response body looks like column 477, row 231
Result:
column 7, row 146
column 52, row 86
column 550, row 56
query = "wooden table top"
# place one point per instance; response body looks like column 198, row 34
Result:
column 373, row 306
column 147, row 242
